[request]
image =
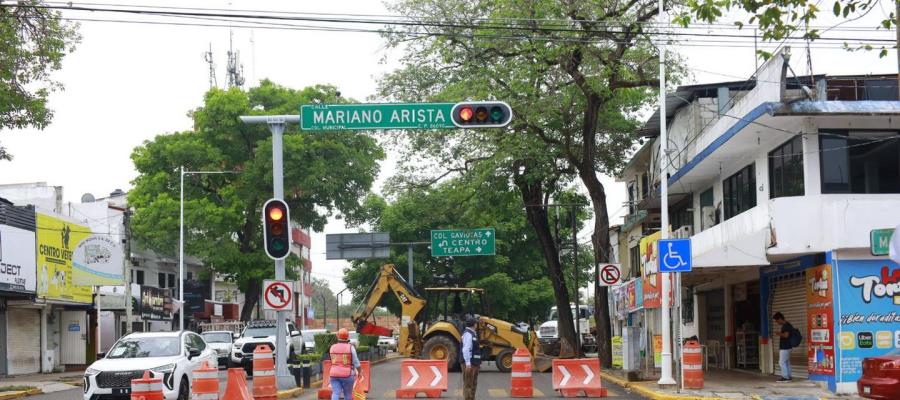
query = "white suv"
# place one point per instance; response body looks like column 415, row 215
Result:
column 173, row 356
column 263, row 332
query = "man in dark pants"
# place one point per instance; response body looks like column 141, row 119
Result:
column 784, row 346
column 471, row 359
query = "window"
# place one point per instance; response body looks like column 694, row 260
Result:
column 786, row 169
column 707, row 210
column 171, row 280
column 860, row 162
column 682, row 215
column 645, row 186
column 161, row 279
column 190, row 275
column 738, row 191
column 632, row 197
column 634, row 258
column 140, row 277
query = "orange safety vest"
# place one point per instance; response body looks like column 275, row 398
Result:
column 341, row 360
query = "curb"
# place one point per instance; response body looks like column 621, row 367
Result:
column 74, row 382
column 290, row 393
column 20, row 394
column 648, row 392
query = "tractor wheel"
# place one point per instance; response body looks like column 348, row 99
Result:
column 504, row 360
column 441, row 347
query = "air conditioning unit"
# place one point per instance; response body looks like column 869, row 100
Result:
column 685, row 232
column 707, row 217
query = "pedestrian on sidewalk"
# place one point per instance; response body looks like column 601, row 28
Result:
column 344, row 366
column 788, row 339
column 471, row 357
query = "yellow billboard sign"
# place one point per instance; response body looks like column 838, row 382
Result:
column 56, row 243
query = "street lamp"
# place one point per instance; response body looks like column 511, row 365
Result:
column 181, row 241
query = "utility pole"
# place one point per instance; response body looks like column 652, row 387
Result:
column 127, row 269
column 897, row 30
column 666, row 375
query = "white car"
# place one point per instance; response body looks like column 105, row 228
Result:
column 354, row 338
column 221, row 342
column 263, row 332
column 309, row 339
column 387, row 342
column 173, row 356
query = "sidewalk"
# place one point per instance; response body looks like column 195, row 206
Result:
column 723, row 384
column 43, row 383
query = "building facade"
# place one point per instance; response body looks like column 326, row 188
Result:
column 785, row 186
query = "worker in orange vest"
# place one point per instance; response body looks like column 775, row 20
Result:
column 344, row 366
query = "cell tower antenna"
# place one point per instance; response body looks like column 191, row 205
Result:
column 208, row 56
column 234, row 69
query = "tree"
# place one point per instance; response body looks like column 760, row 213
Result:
column 33, row 42
column 517, row 286
column 324, row 175
column 576, row 73
column 780, row 19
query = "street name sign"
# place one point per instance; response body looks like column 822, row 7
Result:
column 880, row 240
column 335, row 117
column 278, row 295
column 675, row 255
column 462, row 242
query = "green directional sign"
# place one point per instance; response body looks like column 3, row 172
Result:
column 335, row 117
column 880, row 240
column 462, row 242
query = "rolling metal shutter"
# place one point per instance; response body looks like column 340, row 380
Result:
column 789, row 298
column 24, row 338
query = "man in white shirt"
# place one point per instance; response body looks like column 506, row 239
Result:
column 471, row 357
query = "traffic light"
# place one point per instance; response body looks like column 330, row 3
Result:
column 276, row 229
column 481, row 114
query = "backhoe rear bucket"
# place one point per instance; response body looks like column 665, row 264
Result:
column 366, row 328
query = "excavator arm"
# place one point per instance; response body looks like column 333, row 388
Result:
column 411, row 303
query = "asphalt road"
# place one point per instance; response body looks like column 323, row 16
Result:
column 77, row 393
column 492, row 384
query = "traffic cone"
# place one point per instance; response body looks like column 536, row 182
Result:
column 521, row 384
column 206, row 383
column 264, row 385
column 147, row 388
column 236, row 387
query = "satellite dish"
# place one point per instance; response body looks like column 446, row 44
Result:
column 87, row 198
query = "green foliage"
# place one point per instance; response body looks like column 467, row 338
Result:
column 310, row 358
column 368, row 340
column 33, row 42
column 324, row 342
column 780, row 19
column 324, row 176
column 362, row 349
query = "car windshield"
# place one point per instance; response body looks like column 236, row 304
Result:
column 259, row 331
column 145, row 347
column 217, row 337
column 554, row 316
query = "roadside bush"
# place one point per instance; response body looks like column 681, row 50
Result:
column 324, row 342
column 368, row 340
column 362, row 349
column 313, row 358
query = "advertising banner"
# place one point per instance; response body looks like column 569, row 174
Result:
column 195, row 295
column 651, row 281
column 98, row 260
column 820, row 320
column 156, row 304
column 113, row 298
column 657, row 351
column 17, row 265
column 869, row 307
column 627, row 298
column 56, row 243
column 617, row 358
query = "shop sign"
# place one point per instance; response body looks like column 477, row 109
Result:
column 17, row 265
column 156, row 303
column 651, row 279
column 869, row 298
column 98, row 260
column 627, row 298
column 56, row 243
column 617, row 355
column 820, row 320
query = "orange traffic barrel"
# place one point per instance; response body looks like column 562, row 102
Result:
column 264, row 385
column 692, row 365
column 147, row 388
column 521, row 384
column 205, row 385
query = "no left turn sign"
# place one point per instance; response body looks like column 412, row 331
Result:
column 278, row 295
column 610, row 274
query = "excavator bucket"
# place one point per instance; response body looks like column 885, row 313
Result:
column 366, row 328
column 544, row 362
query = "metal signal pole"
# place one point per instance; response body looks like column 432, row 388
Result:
column 666, row 376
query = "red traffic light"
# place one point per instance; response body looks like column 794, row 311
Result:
column 481, row 114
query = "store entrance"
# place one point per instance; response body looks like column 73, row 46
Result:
column 746, row 324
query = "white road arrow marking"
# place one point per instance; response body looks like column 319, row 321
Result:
column 437, row 375
column 566, row 376
column 415, row 375
column 588, row 372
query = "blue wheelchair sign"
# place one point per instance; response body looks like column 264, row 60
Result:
column 675, row 255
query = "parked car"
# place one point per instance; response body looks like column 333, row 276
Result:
column 880, row 377
column 173, row 355
column 309, row 339
column 263, row 332
column 221, row 342
column 387, row 342
column 354, row 338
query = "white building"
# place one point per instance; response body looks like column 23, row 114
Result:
column 782, row 184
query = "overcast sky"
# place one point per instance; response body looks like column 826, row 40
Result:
column 127, row 83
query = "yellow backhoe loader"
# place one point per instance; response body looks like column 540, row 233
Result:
column 431, row 327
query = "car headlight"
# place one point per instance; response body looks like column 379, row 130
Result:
column 165, row 369
column 91, row 371
column 168, row 374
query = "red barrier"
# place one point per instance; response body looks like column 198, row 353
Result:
column 325, row 390
column 521, row 384
column 422, row 376
column 574, row 376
